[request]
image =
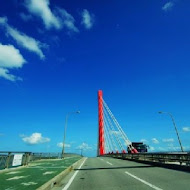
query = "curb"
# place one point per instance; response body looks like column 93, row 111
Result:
column 57, row 179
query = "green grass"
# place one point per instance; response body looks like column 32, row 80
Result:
column 35, row 175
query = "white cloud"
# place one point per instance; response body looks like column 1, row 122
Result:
column 186, row 129
column 40, row 8
column 87, row 19
column 26, row 42
column 168, row 140
column 84, row 146
column 4, row 73
column 60, row 145
column 35, row 138
column 155, row 141
column 151, row 148
column 144, row 141
column 3, row 20
column 168, row 6
column 68, row 20
column 25, row 17
column 174, row 148
column 10, row 58
column 23, row 40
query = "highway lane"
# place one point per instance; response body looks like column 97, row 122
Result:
column 108, row 173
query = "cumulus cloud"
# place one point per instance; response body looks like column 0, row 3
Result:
column 155, row 141
column 68, row 20
column 186, row 129
column 42, row 9
column 168, row 6
column 35, row 138
column 84, row 146
column 10, row 58
column 60, row 145
column 23, row 40
column 168, row 140
column 87, row 19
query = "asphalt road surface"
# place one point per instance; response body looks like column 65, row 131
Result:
column 109, row 173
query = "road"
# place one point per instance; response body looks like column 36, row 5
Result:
column 109, row 173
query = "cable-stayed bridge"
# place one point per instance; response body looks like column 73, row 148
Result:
column 114, row 168
column 112, row 138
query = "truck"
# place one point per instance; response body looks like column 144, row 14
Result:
column 139, row 146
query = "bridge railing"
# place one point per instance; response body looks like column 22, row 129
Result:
column 6, row 157
column 182, row 158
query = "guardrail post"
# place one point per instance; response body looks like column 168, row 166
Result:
column 188, row 160
column 24, row 159
column 8, row 159
column 28, row 158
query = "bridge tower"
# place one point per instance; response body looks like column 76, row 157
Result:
column 101, row 148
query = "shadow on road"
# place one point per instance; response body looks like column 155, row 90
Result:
column 111, row 168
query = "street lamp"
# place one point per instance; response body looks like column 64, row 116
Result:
column 160, row 112
column 65, row 129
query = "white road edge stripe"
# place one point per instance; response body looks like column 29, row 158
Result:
column 109, row 163
column 143, row 181
column 73, row 177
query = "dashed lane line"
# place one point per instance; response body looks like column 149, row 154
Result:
column 73, row 177
column 109, row 163
column 143, row 181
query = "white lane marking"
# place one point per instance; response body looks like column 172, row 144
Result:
column 101, row 159
column 109, row 163
column 143, row 181
column 73, row 177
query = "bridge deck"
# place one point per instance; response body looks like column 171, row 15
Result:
column 108, row 173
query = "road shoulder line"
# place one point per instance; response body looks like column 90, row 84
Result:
column 73, row 177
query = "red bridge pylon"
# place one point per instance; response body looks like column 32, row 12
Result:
column 111, row 137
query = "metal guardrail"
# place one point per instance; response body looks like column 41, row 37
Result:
column 6, row 157
column 181, row 158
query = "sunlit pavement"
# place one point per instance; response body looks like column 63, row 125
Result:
column 108, row 173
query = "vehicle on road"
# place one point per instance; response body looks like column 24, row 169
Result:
column 139, row 146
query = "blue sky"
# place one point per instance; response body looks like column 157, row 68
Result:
column 55, row 56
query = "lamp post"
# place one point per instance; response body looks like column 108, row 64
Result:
column 160, row 112
column 65, row 129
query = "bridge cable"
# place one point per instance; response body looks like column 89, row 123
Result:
column 114, row 131
column 111, row 137
column 126, row 139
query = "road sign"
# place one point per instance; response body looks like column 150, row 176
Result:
column 17, row 160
